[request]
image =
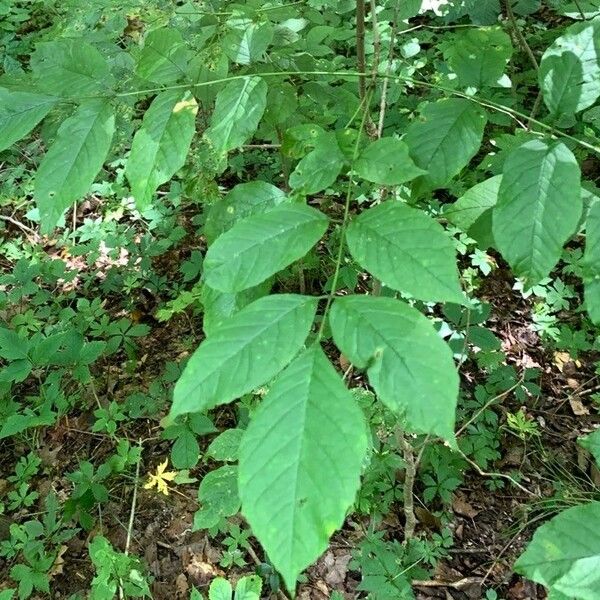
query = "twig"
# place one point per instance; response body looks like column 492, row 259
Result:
column 488, row 404
column 360, row 47
column 580, row 9
column 21, row 226
column 409, row 484
column 133, row 500
column 386, row 81
column 500, row 475
column 519, row 34
column 376, row 41
column 455, row 585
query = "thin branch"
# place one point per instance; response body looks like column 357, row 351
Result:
column 386, row 81
column 519, row 34
column 360, row 47
column 409, row 484
column 500, row 475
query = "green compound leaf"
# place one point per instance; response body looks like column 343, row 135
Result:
column 320, row 167
column 74, row 159
column 238, row 110
column 539, row 206
column 407, row 250
column 71, row 68
column 246, row 351
column 20, row 112
column 444, row 140
column 570, row 69
column 243, row 200
column 591, row 263
column 387, row 162
column 300, row 463
column 164, row 56
column 161, row 144
column 564, row 554
column 474, row 67
column 409, row 365
column 261, row 245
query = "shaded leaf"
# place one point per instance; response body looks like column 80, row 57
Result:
column 239, row 108
column 591, row 263
column 387, row 162
column 73, row 160
column 539, row 205
column 161, row 144
column 445, row 139
column 164, row 56
column 20, row 112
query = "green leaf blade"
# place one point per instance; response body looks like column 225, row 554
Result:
column 387, row 162
column 409, row 366
column 444, row 141
column 300, row 463
column 564, row 554
column 161, row 144
column 71, row 67
column 261, row 245
column 164, row 56
column 320, row 167
column 245, row 352
column 591, row 263
column 538, row 209
column 238, row 110
column 74, row 159
column 20, row 112
column 407, row 250
column 569, row 71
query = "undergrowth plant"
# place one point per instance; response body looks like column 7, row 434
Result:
column 367, row 140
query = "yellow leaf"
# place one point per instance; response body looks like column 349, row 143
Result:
column 160, row 479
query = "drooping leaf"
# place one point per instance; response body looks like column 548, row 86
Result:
column 300, row 463
column 591, row 8
column 320, row 167
column 161, row 144
column 20, row 112
column 246, row 41
column 564, row 554
column 407, row 250
column 472, row 66
column 245, row 352
column 445, row 139
column 387, row 162
column 164, row 56
column 70, row 67
column 73, row 160
column 539, row 205
column 591, row 266
column 261, row 245
column 243, row 200
column 409, row 365
column 591, row 442
column 570, row 69
column 239, row 108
